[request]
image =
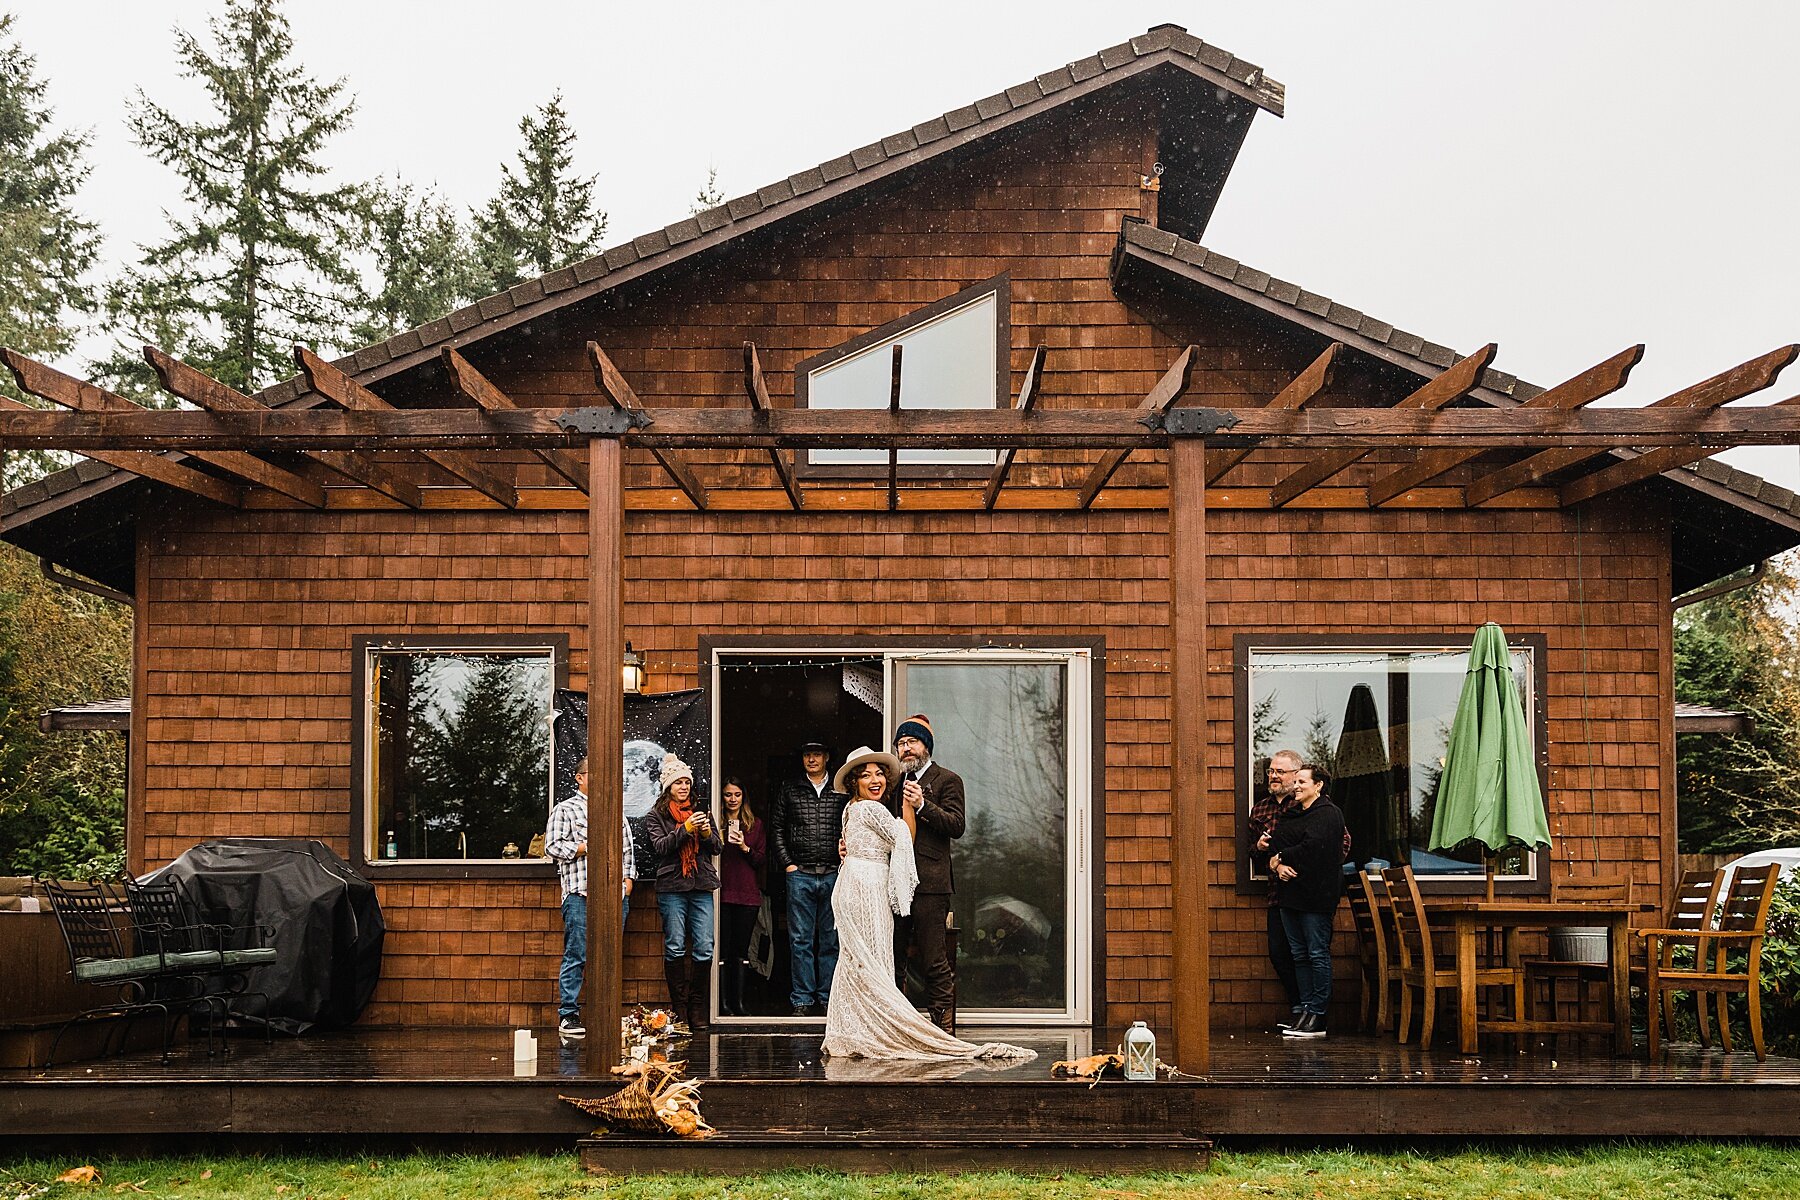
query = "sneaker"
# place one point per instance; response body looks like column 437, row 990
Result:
column 571, row 1027
column 1310, row 1025
column 801, row 1010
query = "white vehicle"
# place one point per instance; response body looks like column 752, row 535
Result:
column 1787, row 859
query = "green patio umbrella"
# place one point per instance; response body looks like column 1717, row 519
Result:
column 1488, row 792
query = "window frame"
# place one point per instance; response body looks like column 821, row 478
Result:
column 362, row 647
column 1243, row 758
column 1000, row 286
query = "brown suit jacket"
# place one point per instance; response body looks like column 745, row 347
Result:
column 941, row 821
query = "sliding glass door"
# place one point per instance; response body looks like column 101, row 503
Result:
column 1015, row 727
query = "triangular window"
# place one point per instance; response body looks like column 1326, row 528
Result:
column 955, row 354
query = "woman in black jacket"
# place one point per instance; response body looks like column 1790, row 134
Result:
column 1305, row 855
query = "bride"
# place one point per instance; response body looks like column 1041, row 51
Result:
column 868, row 1017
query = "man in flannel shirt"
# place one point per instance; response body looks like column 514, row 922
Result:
column 565, row 843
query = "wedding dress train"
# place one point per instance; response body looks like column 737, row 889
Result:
column 868, row 1017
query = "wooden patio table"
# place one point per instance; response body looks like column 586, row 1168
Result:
column 1464, row 915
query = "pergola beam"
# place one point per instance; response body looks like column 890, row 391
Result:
column 1639, row 466
column 202, row 390
column 1741, row 380
column 619, row 393
column 475, row 387
column 1300, row 391
column 1028, row 396
column 1169, row 389
column 334, row 385
column 1451, row 385
column 758, row 391
column 151, row 466
column 1603, row 379
column 48, row 383
column 441, row 429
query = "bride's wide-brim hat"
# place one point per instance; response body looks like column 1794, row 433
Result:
column 860, row 757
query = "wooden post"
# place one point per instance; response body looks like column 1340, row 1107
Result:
column 1191, row 953
column 606, row 750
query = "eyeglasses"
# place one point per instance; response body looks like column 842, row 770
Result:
column 1284, row 771
column 909, row 741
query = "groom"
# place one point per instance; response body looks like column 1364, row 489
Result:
column 935, row 796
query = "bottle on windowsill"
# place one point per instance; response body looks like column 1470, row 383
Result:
column 393, row 847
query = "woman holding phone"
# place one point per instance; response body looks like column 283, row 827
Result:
column 686, row 840
column 740, row 895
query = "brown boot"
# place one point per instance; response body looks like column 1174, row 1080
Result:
column 675, row 974
column 942, row 1018
column 699, row 1009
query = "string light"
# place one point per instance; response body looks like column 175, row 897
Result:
column 1117, row 660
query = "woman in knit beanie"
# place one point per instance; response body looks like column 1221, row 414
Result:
column 686, row 838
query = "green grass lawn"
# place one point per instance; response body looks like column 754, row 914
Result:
column 1685, row 1169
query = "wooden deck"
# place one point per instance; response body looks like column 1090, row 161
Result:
column 421, row 1082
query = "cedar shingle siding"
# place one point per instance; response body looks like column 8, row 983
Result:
column 247, row 617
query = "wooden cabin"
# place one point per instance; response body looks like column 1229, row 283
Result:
column 1095, row 650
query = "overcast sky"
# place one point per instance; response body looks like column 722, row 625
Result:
column 1563, row 179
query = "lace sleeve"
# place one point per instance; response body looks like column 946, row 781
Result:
column 903, row 872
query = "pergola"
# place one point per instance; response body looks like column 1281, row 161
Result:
column 227, row 437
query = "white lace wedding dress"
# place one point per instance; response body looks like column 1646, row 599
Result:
column 868, row 1016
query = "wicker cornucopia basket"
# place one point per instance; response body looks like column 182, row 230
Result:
column 657, row 1100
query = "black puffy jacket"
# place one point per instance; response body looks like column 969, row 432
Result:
column 806, row 825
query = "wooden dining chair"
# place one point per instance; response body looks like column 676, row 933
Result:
column 1422, row 969
column 1575, row 889
column 1374, row 952
column 1690, row 911
column 1728, row 957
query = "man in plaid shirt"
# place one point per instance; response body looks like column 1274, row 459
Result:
column 565, row 843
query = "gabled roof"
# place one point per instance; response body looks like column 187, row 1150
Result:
column 1165, row 45
column 1710, row 549
column 1166, row 48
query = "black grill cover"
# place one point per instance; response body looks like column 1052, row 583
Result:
column 325, row 917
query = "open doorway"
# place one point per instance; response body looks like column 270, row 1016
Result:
column 767, row 706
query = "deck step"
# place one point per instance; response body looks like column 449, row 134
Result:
column 877, row 1151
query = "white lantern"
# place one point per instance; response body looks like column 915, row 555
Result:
column 1140, row 1052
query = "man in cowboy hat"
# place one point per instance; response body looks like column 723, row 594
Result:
column 807, row 820
column 935, row 796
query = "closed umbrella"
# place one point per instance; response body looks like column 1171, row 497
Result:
column 1489, row 793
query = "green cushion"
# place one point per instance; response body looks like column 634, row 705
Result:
column 101, row 970
column 260, row 956
column 193, row 960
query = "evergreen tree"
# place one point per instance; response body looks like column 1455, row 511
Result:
column 1741, row 651
column 423, row 262
column 543, row 217
column 260, row 260
column 46, row 249
column 709, row 196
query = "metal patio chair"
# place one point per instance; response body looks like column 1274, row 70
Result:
column 90, row 918
column 200, row 955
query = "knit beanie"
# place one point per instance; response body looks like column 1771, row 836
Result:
column 918, row 725
column 673, row 768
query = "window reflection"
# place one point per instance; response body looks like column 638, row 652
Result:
column 1004, row 728
column 461, row 755
column 1379, row 720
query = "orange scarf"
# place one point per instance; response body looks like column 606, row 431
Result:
column 681, row 810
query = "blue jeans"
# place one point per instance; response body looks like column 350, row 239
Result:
column 574, row 959
column 1309, row 941
column 812, row 937
column 687, row 920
